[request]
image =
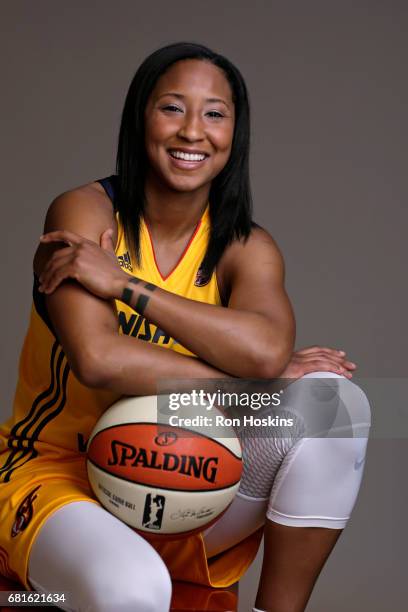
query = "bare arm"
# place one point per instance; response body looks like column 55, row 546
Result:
column 253, row 337
column 257, row 329
column 86, row 325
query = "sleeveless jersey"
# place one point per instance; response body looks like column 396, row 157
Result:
column 51, row 406
column 54, row 414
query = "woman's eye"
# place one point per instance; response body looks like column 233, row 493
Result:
column 215, row 114
column 172, row 108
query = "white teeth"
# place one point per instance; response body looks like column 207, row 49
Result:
column 187, row 156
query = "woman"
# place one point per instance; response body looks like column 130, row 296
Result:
column 166, row 251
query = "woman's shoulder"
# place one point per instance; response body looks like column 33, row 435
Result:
column 246, row 257
column 85, row 210
column 259, row 244
column 83, row 202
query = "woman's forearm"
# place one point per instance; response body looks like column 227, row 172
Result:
column 128, row 366
column 251, row 338
column 242, row 343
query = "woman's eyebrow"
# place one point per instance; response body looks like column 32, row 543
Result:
column 181, row 97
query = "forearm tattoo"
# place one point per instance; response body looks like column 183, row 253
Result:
column 142, row 299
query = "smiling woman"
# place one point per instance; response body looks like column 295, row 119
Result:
column 201, row 113
column 165, row 255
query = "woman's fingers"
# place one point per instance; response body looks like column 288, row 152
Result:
column 63, row 255
column 63, row 236
column 95, row 268
column 318, row 359
column 320, row 349
column 56, row 256
column 350, row 365
column 322, row 352
column 324, row 365
column 56, row 272
column 331, row 357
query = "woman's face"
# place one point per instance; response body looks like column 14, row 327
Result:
column 189, row 125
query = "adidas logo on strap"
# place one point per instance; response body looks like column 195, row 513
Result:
column 124, row 261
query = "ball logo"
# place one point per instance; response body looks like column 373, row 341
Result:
column 24, row 513
column 153, row 511
column 166, row 438
column 129, row 456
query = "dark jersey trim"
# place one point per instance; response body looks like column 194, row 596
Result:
column 32, row 454
column 42, row 396
column 40, row 306
column 20, row 443
column 110, row 185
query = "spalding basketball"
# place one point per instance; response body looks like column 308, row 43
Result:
column 162, row 479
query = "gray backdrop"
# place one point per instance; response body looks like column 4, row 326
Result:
column 329, row 97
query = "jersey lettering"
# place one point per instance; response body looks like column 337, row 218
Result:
column 137, row 326
column 124, row 324
column 147, row 336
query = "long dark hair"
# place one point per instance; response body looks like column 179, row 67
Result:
column 230, row 194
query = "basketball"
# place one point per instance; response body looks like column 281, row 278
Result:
column 158, row 478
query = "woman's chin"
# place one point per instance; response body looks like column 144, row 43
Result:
column 184, row 184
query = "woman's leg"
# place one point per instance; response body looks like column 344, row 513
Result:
column 314, row 482
column 312, row 499
column 98, row 562
column 293, row 560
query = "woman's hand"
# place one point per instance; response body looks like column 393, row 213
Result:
column 318, row 359
column 95, row 267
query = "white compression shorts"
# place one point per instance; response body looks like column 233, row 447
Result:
column 301, row 481
column 297, row 481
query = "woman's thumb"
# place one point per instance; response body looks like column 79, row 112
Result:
column 106, row 240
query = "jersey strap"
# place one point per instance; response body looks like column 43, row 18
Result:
column 110, row 185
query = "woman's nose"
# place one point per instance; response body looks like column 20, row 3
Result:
column 192, row 128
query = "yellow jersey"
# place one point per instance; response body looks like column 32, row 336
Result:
column 43, row 444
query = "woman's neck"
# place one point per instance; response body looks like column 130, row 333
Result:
column 173, row 214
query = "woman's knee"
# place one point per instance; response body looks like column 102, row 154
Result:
column 356, row 403
column 345, row 406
